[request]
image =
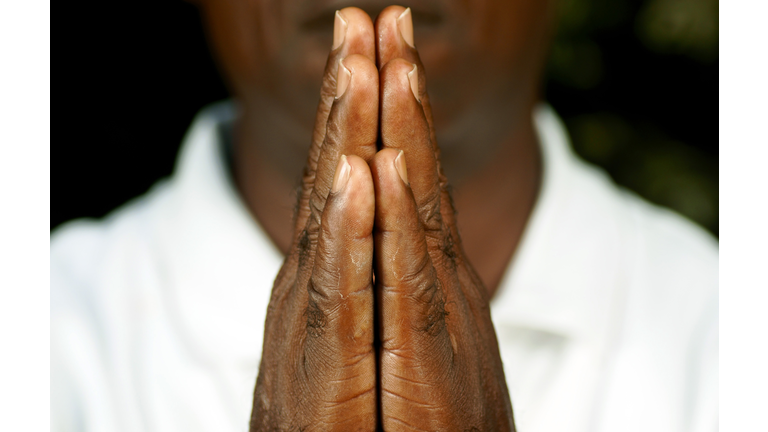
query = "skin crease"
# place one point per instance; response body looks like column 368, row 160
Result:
column 418, row 351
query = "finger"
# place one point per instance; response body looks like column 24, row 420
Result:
column 352, row 130
column 395, row 39
column 411, row 296
column 411, row 302
column 340, row 303
column 404, row 127
column 353, row 34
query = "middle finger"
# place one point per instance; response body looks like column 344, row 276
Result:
column 353, row 34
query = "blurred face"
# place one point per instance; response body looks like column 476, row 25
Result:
column 482, row 58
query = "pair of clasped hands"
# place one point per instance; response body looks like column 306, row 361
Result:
column 412, row 348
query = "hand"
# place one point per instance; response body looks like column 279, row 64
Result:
column 318, row 368
column 440, row 367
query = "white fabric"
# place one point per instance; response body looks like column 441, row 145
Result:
column 607, row 318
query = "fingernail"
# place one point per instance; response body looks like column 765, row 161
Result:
column 405, row 25
column 341, row 178
column 339, row 30
column 343, row 76
column 413, row 77
column 400, row 167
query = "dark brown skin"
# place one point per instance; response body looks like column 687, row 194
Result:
column 439, row 367
column 318, row 368
column 484, row 59
column 418, row 351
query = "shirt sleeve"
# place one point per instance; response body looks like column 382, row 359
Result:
column 80, row 399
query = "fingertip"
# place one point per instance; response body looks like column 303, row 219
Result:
column 387, row 18
column 413, row 80
column 383, row 162
column 353, row 14
column 340, row 26
column 353, row 37
column 386, row 21
column 392, row 190
column 359, row 71
column 357, row 94
column 360, row 168
column 390, row 13
column 360, row 185
column 398, row 75
column 405, row 27
column 352, row 170
column 343, row 77
column 350, row 208
column 391, row 39
column 401, row 168
column 362, row 67
column 359, row 199
column 341, row 176
column 359, row 29
column 400, row 78
column 389, row 162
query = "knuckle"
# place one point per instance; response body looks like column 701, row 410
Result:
column 447, row 193
column 435, row 314
column 428, row 294
column 448, row 248
column 316, row 318
column 419, row 273
column 316, row 207
column 333, row 130
column 329, row 232
column 304, row 248
column 429, row 213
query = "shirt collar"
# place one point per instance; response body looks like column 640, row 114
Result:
column 562, row 276
column 218, row 262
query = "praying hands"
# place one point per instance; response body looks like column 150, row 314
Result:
column 376, row 319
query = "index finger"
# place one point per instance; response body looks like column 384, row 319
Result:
column 394, row 39
column 353, row 34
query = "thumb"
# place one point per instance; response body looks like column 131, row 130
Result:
column 412, row 302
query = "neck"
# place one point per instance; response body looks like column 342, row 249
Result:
column 495, row 202
column 268, row 175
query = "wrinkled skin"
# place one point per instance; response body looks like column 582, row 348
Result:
column 440, row 367
column 318, row 368
column 417, row 351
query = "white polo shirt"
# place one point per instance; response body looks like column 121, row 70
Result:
column 607, row 317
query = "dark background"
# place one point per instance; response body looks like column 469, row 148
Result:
column 636, row 82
